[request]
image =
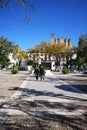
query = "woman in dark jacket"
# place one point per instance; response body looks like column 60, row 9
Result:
column 36, row 72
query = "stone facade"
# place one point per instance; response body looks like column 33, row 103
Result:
column 64, row 41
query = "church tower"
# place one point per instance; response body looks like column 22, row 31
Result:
column 52, row 38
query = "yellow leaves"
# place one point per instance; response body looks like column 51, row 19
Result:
column 18, row 53
column 54, row 49
column 67, row 49
column 34, row 50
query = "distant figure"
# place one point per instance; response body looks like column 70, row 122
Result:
column 42, row 73
column 36, row 72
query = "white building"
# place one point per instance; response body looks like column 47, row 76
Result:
column 12, row 60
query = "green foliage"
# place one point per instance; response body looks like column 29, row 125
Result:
column 80, row 61
column 65, row 70
column 19, row 53
column 14, row 70
column 30, row 62
column 6, row 47
column 82, row 50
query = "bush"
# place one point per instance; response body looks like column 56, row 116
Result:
column 65, row 70
column 14, row 70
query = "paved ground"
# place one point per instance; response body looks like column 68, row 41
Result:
column 78, row 80
column 51, row 93
column 43, row 98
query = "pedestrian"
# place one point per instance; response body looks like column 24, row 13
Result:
column 42, row 73
column 36, row 72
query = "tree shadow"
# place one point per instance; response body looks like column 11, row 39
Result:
column 40, row 107
column 29, row 92
column 46, row 123
column 69, row 88
column 81, row 85
column 82, row 75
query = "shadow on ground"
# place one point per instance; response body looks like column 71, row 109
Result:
column 38, row 114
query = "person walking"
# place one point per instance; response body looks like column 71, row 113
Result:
column 42, row 73
column 36, row 72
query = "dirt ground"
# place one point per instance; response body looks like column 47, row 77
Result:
column 9, row 81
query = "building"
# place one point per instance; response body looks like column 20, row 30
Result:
column 64, row 41
column 49, row 60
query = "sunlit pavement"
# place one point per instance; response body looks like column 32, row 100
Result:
column 51, row 96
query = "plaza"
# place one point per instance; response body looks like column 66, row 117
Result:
column 46, row 99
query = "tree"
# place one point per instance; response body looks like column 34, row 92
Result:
column 42, row 44
column 41, row 47
column 25, row 4
column 19, row 54
column 6, row 47
column 68, row 52
column 82, row 50
column 55, row 50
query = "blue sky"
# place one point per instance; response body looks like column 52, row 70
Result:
column 63, row 18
